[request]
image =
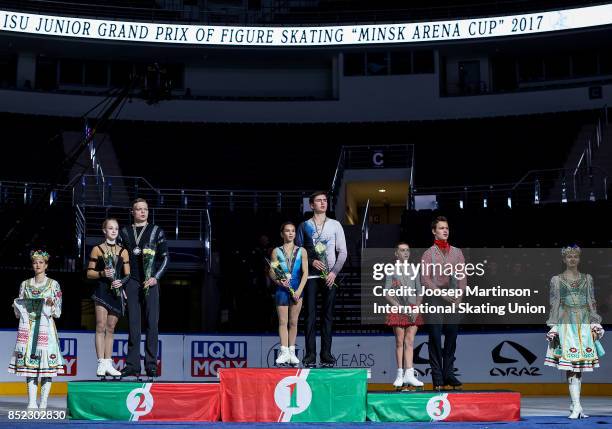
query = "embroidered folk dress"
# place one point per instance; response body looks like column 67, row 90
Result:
column 572, row 311
column 37, row 351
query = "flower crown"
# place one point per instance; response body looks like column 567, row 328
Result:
column 36, row 254
column 574, row 248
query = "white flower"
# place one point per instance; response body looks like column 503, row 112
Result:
column 320, row 248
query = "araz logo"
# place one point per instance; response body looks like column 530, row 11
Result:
column 208, row 356
column 120, row 353
column 517, row 370
column 68, row 350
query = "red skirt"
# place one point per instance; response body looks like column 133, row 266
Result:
column 402, row 320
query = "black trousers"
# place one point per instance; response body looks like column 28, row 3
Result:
column 135, row 302
column 327, row 315
column 442, row 359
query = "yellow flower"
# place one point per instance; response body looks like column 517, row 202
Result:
column 275, row 264
column 149, row 252
column 320, row 248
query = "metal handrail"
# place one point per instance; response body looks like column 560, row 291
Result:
column 208, row 243
column 81, row 231
column 335, row 188
column 178, row 223
column 532, row 172
column 78, row 178
column 194, row 191
column 464, row 188
column 548, row 170
column 525, row 182
column 575, row 173
column 365, row 226
column 27, row 192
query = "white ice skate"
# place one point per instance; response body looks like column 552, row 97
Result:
column 410, row 380
column 283, row 357
column 399, row 380
column 101, row 370
column 110, row 370
column 293, row 359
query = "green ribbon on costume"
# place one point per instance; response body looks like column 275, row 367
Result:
column 34, row 307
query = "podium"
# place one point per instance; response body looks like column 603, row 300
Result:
column 133, row 401
column 293, row 395
column 446, row 406
column 283, row 395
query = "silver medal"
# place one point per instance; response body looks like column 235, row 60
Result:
column 137, row 250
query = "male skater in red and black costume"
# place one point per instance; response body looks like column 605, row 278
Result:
column 439, row 255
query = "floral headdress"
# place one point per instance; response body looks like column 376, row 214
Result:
column 39, row 254
column 574, row 248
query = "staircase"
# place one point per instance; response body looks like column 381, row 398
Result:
column 602, row 162
column 588, row 166
column 347, row 314
column 96, row 172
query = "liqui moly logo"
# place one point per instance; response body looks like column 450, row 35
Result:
column 120, row 354
column 68, row 349
column 208, row 356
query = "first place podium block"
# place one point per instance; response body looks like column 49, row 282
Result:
column 129, row 401
column 293, row 395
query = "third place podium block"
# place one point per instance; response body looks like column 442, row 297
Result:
column 449, row 407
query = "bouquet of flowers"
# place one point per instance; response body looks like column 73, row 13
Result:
column 321, row 255
column 110, row 262
column 148, row 258
column 280, row 274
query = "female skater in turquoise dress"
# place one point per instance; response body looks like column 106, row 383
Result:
column 291, row 262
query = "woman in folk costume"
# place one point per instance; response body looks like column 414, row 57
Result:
column 37, row 352
column 109, row 264
column 573, row 340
